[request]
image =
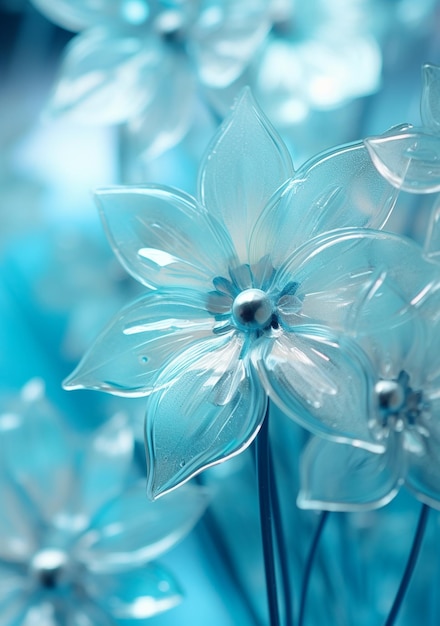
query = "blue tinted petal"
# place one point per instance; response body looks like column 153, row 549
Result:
column 37, row 453
column 106, row 76
column 346, row 276
column 430, row 101
column 320, row 380
column 409, row 161
column 337, row 189
column 130, row 529
column 126, row 358
column 246, row 163
column 137, row 594
column 339, row 477
column 423, row 476
column 79, row 14
column 211, row 410
column 17, row 533
column 163, row 238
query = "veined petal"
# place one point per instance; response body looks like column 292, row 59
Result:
column 210, row 407
column 225, row 38
column 423, row 476
column 339, row 477
column 347, row 275
column 430, row 101
column 130, row 529
column 163, row 238
column 409, row 161
column 246, row 163
column 106, row 76
column 337, row 189
column 321, row 381
column 126, row 358
column 135, row 594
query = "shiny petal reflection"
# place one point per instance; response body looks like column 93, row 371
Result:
column 430, row 101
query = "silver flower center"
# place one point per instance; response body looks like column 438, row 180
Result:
column 51, row 568
column 252, row 309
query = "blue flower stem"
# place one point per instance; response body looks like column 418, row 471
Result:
column 309, row 564
column 281, row 545
column 266, row 518
column 409, row 569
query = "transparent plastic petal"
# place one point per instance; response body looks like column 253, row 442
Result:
column 163, row 238
column 137, row 594
column 432, row 239
column 246, row 163
column 339, row 477
column 36, row 452
column 225, row 38
column 162, row 124
column 106, row 76
column 409, row 161
column 80, row 14
column 212, row 410
column 337, row 189
column 430, row 101
column 130, row 529
column 423, row 476
column 321, row 381
column 126, row 358
column 346, row 276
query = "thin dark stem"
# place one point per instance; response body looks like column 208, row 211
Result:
column 281, row 545
column 309, row 565
column 412, row 560
column 265, row 503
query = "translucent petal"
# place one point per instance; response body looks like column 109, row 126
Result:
column 131, row 529
column 321, row 381
column 106, row 76
column 13, row 603
column 137, row 594
column 126, row 358
column 430, row 101
column 337, row 189
column 432, row 240
column 80, row 14
column 69, row 610
column 17, row 536
column 163, row 238
column 409, row 161
column 162, row 124
column 339, row 477
column 226, row 37
column 103, row 466
column 347, row 276
column 212, row 410
column 246, row 163
column 423, row 476
column 37, row 454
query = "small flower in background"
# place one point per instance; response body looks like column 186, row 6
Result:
column 78, row 538
column 247, row 283
column 141, row 61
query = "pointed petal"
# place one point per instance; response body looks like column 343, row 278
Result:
column 128, row 355
column 225, row 40
column 131, row 530
column 246, row 163
column 345, row 277
column 409, row 161
column 137, row 594
column 163, row 238
column 430, row 101
column 321, row 381
column 211, row 411
column 106, row 76
column 340, row 477
column 37, row 453
column 423, row 476
column 337, row 189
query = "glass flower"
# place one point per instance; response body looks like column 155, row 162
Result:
column 402, row 413
column 409, row 158
column 140, row 60
column 78, row 538
column 246, row 281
